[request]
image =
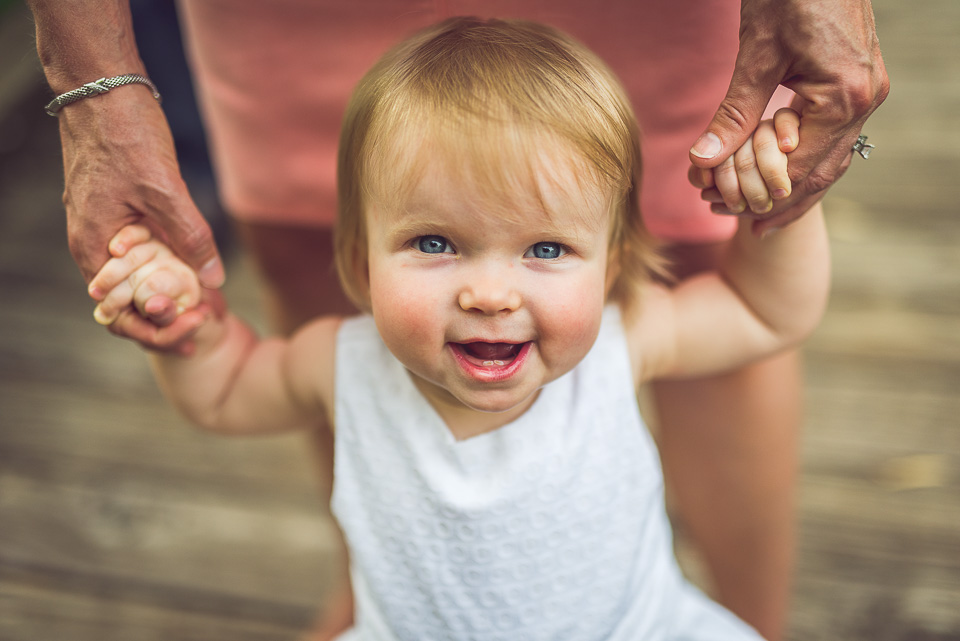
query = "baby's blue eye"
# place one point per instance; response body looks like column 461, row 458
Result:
column 433, row 244
column 547, row 250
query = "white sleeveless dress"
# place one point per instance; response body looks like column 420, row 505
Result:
column 551, row 527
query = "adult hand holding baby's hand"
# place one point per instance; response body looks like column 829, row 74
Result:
column 827, row 52
column 145, row 279
column 120, row 168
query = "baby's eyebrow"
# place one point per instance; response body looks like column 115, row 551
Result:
column 410, row 226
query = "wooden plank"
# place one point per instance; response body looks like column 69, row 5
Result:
column 117, row 521
column 62, row 607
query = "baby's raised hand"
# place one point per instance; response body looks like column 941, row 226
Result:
column 143, row 272
column 750, row 180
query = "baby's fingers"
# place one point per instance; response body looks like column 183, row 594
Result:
column 752, row 184
column 128, row 237
column 167, row 292
column 160, row 310
column 771, row 163
column 114, row 302
column 728, row 186
column 117, row 270
column 787, row 123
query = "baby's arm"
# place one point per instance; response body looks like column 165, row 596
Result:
column 233, row 381
column 768, row 292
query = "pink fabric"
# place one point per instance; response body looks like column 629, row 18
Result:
column 274, row 77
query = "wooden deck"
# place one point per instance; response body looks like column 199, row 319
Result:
column 118, row 522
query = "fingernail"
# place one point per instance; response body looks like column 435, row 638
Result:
column 738, row 208
column 707, row 146
column 770, row 231
column 780, row 193
column 95, row 292
column 211, row 274
column 99, row 316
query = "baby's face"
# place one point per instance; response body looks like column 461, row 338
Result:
column 485, row 308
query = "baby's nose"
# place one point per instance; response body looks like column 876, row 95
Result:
column 489, row 294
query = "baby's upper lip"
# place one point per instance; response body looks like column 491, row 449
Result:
column 493, row 351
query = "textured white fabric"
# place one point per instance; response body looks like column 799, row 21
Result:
column 551, row 527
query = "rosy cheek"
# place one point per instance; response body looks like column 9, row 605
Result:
column 403, row 304
column 572, row 318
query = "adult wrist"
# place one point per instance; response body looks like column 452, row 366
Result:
column 98, row 88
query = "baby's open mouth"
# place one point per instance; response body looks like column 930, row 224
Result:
column 490, row 354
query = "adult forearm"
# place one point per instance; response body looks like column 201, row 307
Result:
column 79, row 41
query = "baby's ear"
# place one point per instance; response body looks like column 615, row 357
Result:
column 355, row 279
column 362, row 279
column 613, row 271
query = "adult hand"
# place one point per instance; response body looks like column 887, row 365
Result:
column 119, row 162
column 120, row 168
column 827, row 52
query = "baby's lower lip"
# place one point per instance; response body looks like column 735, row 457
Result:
column 491, row 369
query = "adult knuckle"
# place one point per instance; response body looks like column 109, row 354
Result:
column 861, row 95
column 197, row 238
column 819, row 179
column 731, row 114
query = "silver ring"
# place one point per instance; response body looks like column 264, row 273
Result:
column 861, row 147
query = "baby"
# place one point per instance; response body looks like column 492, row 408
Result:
column 493, row 476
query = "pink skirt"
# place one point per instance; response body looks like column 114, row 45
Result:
column 274, row 77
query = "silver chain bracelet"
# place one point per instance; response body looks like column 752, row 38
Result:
column 98, row 87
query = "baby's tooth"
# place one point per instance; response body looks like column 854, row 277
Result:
column 488, row 363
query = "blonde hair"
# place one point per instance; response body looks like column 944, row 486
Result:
column 489, row 94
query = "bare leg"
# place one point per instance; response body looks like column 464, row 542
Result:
column 729, row 451
column 300, row 282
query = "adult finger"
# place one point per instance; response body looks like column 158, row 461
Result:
column 191, row 238
column 787, row 210
column 172, row 338
column 700, row 178
column 755, row 78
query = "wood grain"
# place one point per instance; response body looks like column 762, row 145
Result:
column 117, row 521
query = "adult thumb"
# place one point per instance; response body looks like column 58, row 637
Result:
column 737, row 116
column 191, row 238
